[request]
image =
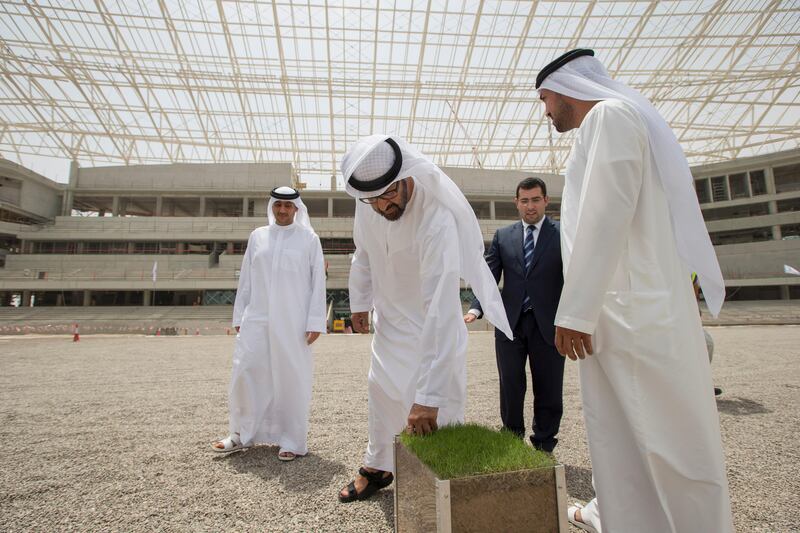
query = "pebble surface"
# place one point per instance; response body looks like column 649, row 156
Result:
column 113, row 433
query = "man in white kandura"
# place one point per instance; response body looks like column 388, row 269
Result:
column 279, row 312
column 416, row 236
column 631, row 234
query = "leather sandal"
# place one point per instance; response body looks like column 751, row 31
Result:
column 375, row 482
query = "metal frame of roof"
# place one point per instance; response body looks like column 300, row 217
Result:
column 154, row 81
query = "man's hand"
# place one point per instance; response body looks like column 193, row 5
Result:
column 573, row 344
column 360, row 322
column 422, row 419
column 311, row 336
column 469, row 318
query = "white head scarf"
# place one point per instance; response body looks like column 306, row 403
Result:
column 585, row 78
column 300, row 217
column 372, row 157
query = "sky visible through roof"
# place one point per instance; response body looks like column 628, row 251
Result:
column 159, row 81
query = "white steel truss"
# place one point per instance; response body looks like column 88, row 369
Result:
column 155, row 81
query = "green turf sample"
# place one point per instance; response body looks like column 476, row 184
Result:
column 467, row 450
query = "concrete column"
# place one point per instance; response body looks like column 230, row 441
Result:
column 785, row 292
column 245, row 206
column 333, row 182
column 181, row 248
column 772, row 206
column 147, row 298
column 115, row 206
column 87, row 298
column 491, row 210
column 229, row 248
column 769, row 180
column 330, row 207
column 260, row 207
column 60, row 299
column 159, row 205
column 69, row 193
column 26, row 299
column 201, row 212
column 66, row 203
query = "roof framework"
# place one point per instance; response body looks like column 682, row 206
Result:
column 155, row 81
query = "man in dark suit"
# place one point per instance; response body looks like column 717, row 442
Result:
column 528, row 255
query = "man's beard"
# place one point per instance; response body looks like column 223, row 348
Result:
column 565, row 118
column 397, row 210
column 393, row 214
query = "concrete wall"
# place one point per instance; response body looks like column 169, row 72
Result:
column 501, row 184
column 759, row 259
column 759, row 263
column 39, row 197
column 187, row 228
column 219, row 177
column 73, row 272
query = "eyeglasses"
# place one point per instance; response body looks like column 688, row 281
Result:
column 387, row 195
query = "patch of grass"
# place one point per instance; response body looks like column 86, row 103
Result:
column 469, row 449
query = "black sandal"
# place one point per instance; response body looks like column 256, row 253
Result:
column 375, row 482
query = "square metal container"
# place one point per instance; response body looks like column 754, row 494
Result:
column 525, row 500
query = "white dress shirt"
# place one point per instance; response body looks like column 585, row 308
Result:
column 536, row 233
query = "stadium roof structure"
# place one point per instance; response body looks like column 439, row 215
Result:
column 155, row 81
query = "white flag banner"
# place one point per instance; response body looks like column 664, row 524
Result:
column 791, row 270
column 155, row 271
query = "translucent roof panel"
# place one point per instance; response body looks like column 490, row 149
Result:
column 140, row 81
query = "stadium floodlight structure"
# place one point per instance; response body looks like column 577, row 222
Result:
column 156, row 81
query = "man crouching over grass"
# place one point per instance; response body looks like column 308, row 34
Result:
column 416, row 236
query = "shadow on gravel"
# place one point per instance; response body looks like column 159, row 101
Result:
column 741, row 407
column 386, row 502
column 579, row 482
column 304, row 474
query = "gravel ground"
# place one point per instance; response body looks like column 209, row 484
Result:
column 112, row 433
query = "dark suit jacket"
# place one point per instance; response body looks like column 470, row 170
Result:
column 543, row 283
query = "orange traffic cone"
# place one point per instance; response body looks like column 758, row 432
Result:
column 76, row 334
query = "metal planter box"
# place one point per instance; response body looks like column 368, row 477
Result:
column 525, row 500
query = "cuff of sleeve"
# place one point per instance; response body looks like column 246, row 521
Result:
column 429, row 400
column 317, row 325
column 584, row 326
column 475, row 312
column 360, row 307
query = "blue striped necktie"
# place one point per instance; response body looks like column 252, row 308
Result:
column 528, row 250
